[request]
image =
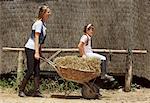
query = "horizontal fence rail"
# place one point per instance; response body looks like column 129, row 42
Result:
column 128, row 52
column 75, row 50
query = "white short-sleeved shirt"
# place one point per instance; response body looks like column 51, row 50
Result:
column 37, row 26
column 87, row 40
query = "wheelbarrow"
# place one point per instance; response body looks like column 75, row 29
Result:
column 89, row 89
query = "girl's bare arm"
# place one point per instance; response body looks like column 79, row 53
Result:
column 81, row 48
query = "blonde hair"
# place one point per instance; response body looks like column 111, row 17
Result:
column 42, row 11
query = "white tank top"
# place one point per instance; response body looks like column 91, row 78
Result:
column 87, row 40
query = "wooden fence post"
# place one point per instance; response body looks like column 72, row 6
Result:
column 0, row 56
column 128, row 74
column 20, row 67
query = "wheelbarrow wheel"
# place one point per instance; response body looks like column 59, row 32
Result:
column 90, row 91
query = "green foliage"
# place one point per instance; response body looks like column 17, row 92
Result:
column 8, row 82
column 59, row 85
column 67, row 85
column 48, row 85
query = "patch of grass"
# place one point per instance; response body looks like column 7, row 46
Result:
column 59, row 85
column 46, row 84
column 8, row 82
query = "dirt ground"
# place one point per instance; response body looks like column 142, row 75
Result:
column 108, row 96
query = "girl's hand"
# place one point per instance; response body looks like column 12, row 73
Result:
column 84, row 56
column 37, row 56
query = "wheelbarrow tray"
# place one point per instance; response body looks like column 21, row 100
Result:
column 72, row 74
column 76, row 75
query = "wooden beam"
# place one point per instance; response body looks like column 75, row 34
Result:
column 76, row 50
column 54, row 55
column 120, row 51
column 12, row 49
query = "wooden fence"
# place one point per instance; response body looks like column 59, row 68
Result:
column 129, row 54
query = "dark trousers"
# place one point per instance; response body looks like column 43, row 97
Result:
column 33, row 65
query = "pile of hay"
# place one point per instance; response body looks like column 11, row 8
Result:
column 78, row 63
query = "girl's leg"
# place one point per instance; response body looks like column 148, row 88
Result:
column 95, row 55
column 104, row 68
column 103, row 62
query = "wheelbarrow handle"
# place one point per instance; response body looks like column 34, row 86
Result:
column 48, row 61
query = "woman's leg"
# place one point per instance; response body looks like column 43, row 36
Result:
column 30, row 66
column 37, row 79
column 30, row 62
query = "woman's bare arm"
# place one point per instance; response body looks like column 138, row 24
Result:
column 36, row 40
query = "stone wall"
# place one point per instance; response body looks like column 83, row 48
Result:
column 120, row 24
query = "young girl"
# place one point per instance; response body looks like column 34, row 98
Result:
column 85, row 50
column 33, row 51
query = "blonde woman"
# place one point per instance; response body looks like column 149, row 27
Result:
column 85, row 50
column 33, row 51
